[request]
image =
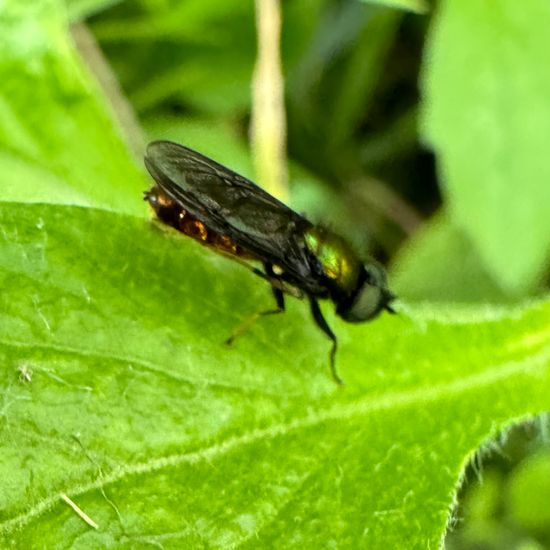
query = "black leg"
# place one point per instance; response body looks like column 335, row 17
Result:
column 323, row 325
column 279, row 299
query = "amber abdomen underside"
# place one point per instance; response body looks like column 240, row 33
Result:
column 172, row 213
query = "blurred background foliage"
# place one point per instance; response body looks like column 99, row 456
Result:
column 420, row 133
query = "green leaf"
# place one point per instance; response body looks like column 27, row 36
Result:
column 177, row 45
column 58, row 140
column 440, row 263
column 418, row 6
column 529, row 493
column 209, row 135
column 367, row 60
column 487, row 115
column 80, row 9
column 118, row 392
column 200, row 53
column 178, row 21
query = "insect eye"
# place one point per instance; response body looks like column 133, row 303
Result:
column 370, row 298
column 367, row 304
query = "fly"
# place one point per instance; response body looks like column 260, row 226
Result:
column 227, row 212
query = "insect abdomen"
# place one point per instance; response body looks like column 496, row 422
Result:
column 171, row 213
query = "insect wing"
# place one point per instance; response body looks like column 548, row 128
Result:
column 230, row 204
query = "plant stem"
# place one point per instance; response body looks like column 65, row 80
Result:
column 119, row 105
column 268, row 125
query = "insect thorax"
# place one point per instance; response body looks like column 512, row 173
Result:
column 338, row 261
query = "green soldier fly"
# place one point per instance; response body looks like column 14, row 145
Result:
column 232, row 215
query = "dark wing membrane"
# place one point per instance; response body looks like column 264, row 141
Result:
column 229, row 204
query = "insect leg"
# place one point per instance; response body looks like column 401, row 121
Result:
column 279, row 299
column 323, row 325
column 277, row 290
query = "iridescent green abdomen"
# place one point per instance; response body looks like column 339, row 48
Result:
column 339, row 262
